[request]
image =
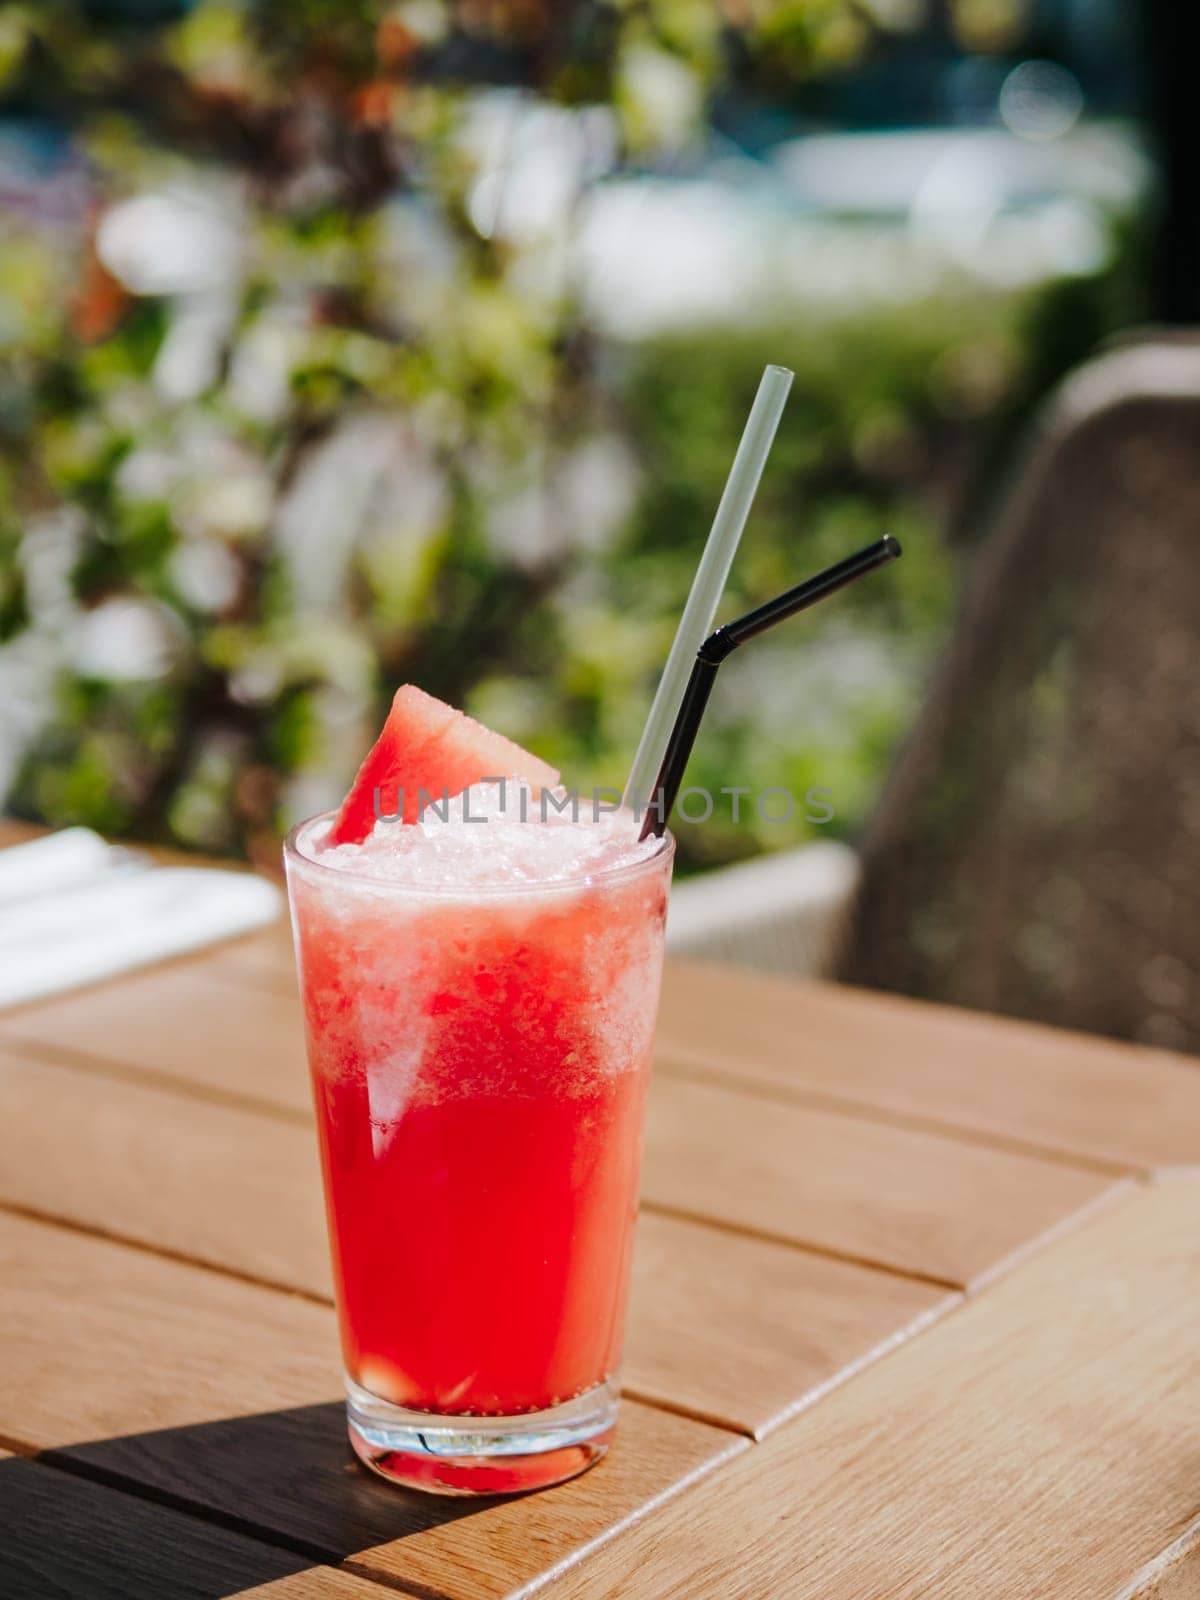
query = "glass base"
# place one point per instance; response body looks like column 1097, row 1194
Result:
column 481, row 1455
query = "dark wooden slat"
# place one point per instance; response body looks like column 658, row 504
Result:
column 290, row 1476
column 65, row 1538
column 287, row 1474
column 120, row 1363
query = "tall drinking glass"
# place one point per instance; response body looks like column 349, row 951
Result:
column 480, row 1060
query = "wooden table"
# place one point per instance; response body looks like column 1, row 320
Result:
column 916, row 1314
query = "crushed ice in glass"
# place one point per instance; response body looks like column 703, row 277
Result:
column 495, row 835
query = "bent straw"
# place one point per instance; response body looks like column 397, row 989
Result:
column 709, row 582
column 723, row 643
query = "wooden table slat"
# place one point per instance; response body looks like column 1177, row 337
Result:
column 505, row 1548
column 261, row 960
column 1043, row 1439
column 229, row 1187
column 1093, row 1099
column 1173, row 1574
column 225, row 1397
column 747, row 1332
column 738, row 1331
column 917, row 1202
column 13, row 831
column 289, row 1476
column 317, row 1583
column 178, row 1024
column 934, row 1207
column 102, row 1340
column 825, row 1169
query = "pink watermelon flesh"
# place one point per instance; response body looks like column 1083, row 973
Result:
column 427, row 745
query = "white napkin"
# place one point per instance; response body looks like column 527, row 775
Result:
column 74, row 909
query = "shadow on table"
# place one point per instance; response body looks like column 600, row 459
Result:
column 266, row 1496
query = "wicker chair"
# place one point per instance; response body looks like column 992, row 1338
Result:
column 782, row 913
column 1037, row 851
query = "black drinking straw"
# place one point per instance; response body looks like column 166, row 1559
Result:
column 723, row 643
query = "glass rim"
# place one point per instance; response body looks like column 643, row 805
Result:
column 602, row 877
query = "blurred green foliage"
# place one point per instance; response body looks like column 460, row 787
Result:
column 301, row 428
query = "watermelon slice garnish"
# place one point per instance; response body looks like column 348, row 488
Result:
column 427, row 745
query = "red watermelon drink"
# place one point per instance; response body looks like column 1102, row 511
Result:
column 480, row 985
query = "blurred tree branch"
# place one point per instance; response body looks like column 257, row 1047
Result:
column 292, row 407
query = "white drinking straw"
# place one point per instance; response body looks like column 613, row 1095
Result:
column 709, row 583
